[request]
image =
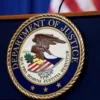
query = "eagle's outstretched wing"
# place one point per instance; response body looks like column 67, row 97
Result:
column 43, row 41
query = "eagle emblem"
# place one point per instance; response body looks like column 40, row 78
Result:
column 43, row 42
column 45, row 55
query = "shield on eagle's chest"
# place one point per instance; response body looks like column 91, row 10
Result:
column 42, row 65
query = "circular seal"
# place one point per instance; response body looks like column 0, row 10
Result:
column 45, row 56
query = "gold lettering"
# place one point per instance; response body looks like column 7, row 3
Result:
column 75, row 59
column 18, row 42
column 57, row 23
column 74, row 47
column 26, row 32
column 70, row 37
column 30, row 27
column 51, row 22
column 36, row 24
column 20, row 37
column 75, row 52
column 14, row 54
column 15, row 66
column 41, row 21
column 16, row 49
column 14, row 60
column 68, row 33
column 75, row 41
column 63, row 29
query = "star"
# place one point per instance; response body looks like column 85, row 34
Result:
column 45, row 89
column 58, row 85
column 32, row 88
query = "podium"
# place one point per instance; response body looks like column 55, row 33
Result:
column 87, row 86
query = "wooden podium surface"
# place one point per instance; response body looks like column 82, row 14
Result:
column 79, row 14
column 87, row 86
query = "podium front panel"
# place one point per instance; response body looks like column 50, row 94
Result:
column 87, row 86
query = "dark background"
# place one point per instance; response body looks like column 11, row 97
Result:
column 87, row 86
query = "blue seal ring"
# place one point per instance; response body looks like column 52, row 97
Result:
column 77, row 57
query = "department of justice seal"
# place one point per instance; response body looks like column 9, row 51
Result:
column 45, row 56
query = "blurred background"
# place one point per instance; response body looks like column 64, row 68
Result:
column 13, row 7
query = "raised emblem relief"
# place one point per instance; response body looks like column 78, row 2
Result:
column 45, row 56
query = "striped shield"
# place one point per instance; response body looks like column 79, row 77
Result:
column 47, row 64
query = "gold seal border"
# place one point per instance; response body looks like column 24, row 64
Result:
column 74, row 78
